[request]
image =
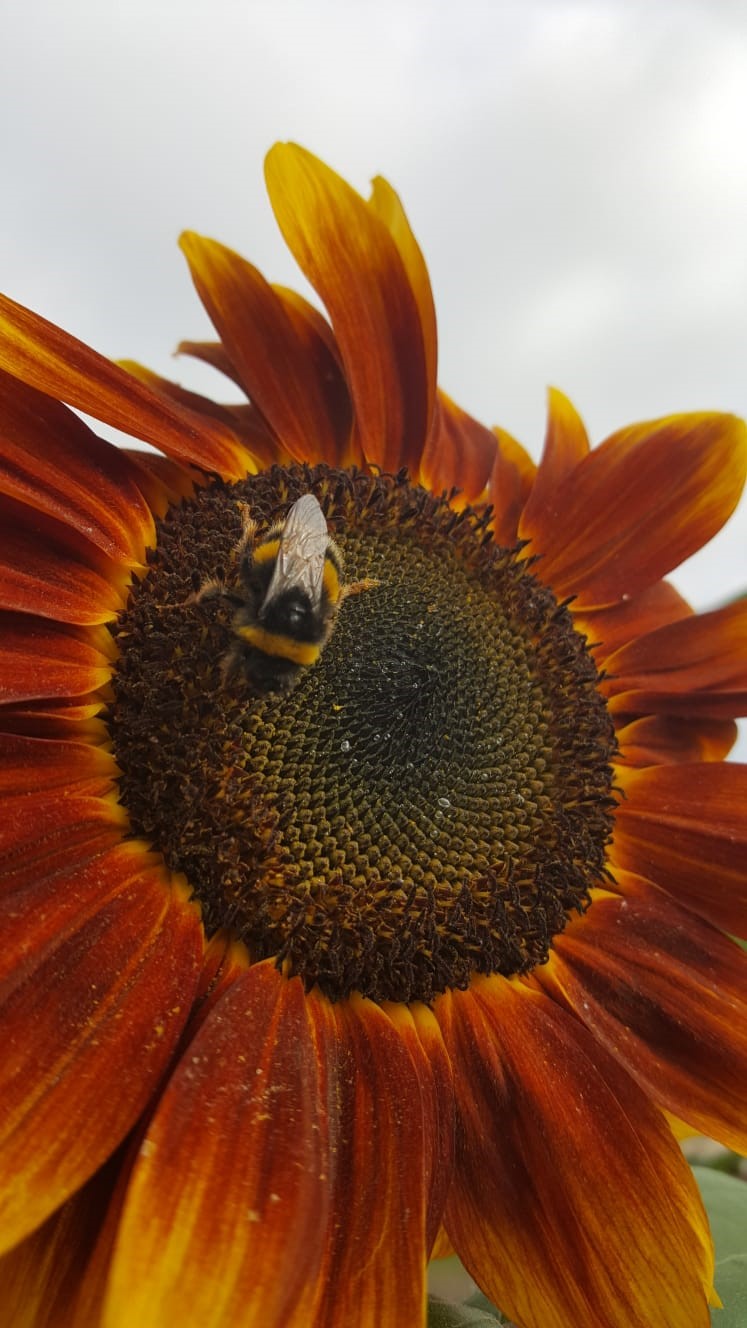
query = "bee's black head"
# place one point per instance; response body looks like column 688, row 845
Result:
column 291, row 614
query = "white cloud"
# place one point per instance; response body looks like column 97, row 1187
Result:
column 575, row 172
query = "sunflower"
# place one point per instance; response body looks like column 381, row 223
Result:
column 430, row 947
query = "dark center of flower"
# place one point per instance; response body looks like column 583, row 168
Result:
column 432, row 799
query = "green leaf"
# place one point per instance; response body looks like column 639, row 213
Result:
column 731, row 1284
column 481, row 1302
column 443, row 1315
column 725, row 1199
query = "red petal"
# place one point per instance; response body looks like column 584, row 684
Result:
column 697, row 666
column 162, row 480
column 226, row 1211
column 51, row 460
column 421, row 1034
column 257, row 435
column 91, row 1013
column 214, row 354
column 53, row 719
column 39, row 1278
column 49, row 569
column 684, row 828
column 28, row 763
column 45, row 357
column 510, row 485
column 42, row 910
column 566, row 443
column 224, row 962
column 374, row 1269
column 337, row 445
column 609, row 629
column 459, row 454
column 442, row 1248
column 353, row 260
column 284, row 364
column 194, row 401
column 667, row 995
column 386, row 203
column 639, row 505
column 665, row 739
column 41, row 659
column 45, row 832
column 249, row 424
column 571, row 1202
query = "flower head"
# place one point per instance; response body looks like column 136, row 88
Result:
column 426, row 931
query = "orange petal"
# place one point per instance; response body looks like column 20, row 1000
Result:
column 639, row 505
column 684, row 828
column 338, row 446
column 39, row 658
column 249, row 424
column 91, row 1013
column 37, row 763
column 387, row 205
column 63, row 719
column 258, row 437
column 352, row 259
column 52, row 461
column 285, row 365
column 442, row 1247
column 161, row 480
column 666, row 739
column 420, row 1032
column 39, row 1277
column 374, row 1269
column 460, row 453
column 609, row 629
column 510, row 485
column 194, row 401
column 667, row 995
column 49, row 569
column 224, row 961
column 57, row 364
column 44, row 909
column 226, row 1210
column 697, row 666
column 571, row 1203
column 213, row 353
column 566, row 443
column 43, row 832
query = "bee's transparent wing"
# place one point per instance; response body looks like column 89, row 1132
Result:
column 303, row 545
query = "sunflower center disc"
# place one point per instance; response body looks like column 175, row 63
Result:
column 434, row 796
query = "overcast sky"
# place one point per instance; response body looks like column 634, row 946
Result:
column 575, row 170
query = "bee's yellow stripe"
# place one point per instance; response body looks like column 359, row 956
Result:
column 284, row 647
column 331, row 580
column 267, row 550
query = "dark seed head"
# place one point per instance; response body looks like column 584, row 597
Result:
column 433, row 799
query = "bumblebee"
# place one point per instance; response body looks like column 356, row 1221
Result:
column 290, row 587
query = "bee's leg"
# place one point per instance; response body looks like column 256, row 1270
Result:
column 358, row 587
column 248, row 534
column 214, row 589
column 231, row 664
column 217, row 588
